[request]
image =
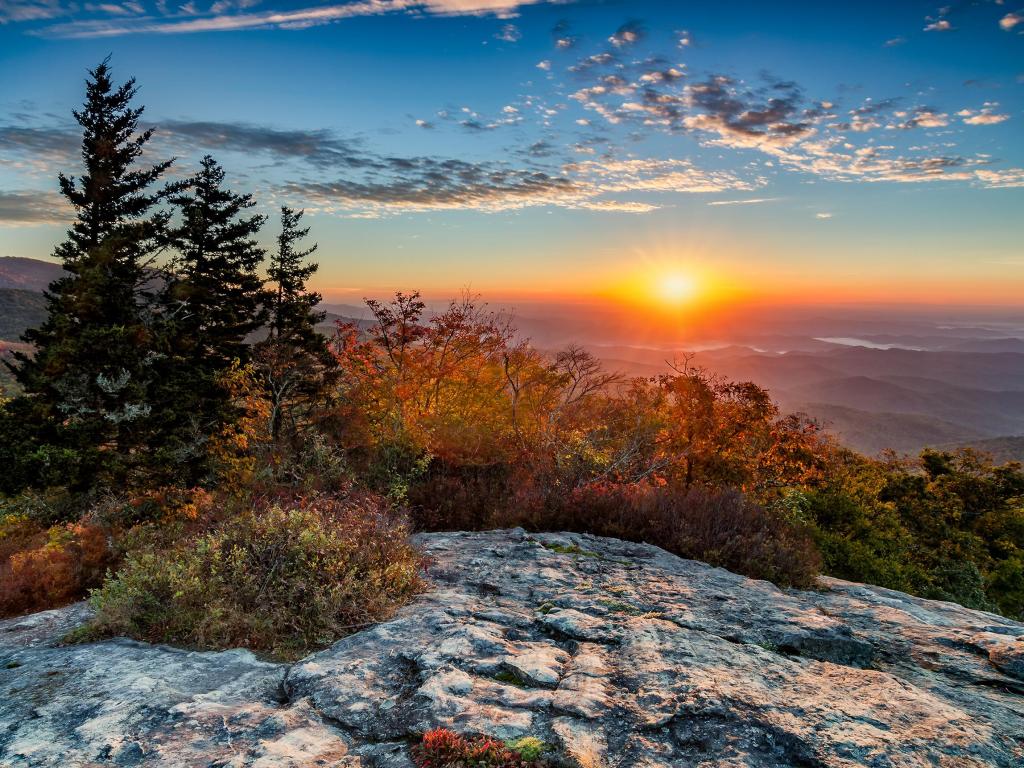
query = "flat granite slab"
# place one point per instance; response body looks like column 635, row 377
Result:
column 616, row 654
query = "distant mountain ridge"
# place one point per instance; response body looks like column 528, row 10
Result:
column 1001, row 449
column 20, row 273
column 964, row 389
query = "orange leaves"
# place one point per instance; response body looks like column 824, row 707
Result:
column 51, row 567
column 435, row 381
column 723, row 433
column 457, row 386
column 171, row 503
column 231, row 449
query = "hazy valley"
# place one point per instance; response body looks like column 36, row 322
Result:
column 875, row 378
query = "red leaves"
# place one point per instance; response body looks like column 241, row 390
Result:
column 442, row 748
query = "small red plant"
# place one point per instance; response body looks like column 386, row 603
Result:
column 439, row 748
column 442, row 748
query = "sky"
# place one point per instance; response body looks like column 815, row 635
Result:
column 657, row 153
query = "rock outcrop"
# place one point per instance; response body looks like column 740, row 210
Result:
column 615, row 654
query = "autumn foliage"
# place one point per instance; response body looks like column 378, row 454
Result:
column 41, row 567
column 455, row 415
column 443, row 748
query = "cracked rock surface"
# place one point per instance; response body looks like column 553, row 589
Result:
column 616, row 654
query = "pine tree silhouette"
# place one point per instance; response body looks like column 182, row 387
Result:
column 86, row 385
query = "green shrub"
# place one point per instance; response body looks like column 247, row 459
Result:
column 947, row 526
column 281, row 580
column 529, row 747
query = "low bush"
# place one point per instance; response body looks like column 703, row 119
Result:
column 721, row 528
column 282, row 580
column 42, row 568
column 467, row 498
column 442, row 748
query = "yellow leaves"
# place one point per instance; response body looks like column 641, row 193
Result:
column 231, row 450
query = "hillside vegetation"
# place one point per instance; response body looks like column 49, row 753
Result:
column 217, row 491
column 18, row 273
column 19, row 310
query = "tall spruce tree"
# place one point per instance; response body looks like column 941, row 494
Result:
column 86, row 399
column 291, row 307
column 217, row 290
column 294, row 362
column 213, row 300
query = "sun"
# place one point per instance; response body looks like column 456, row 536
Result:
column 664, row 285
column 674, row 288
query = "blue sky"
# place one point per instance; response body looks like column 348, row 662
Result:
column 856, row 151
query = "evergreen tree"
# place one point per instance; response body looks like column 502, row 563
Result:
column 86, row 384
column 213, row 300
column 294, row 363
column 216, row 292
column 292, row 308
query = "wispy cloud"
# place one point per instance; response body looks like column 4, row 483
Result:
column 128, row 18
column 365, row 181
column 1011, row 178
column 776, row 118
column 425, row 184
column 320, row 148
column 509, row 33
column 32, row 208
column 33, row 10
column 39, row 141
column 747, row 201
column 419, row 184
column 652, row 175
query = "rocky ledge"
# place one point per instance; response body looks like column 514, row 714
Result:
column 615, row 654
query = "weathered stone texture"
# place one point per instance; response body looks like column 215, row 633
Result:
column 617, row 654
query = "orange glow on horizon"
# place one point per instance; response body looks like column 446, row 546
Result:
column 675, row 281
column 664, row 286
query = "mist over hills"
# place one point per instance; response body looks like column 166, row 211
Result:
column 876, row 398
column 876, row 377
